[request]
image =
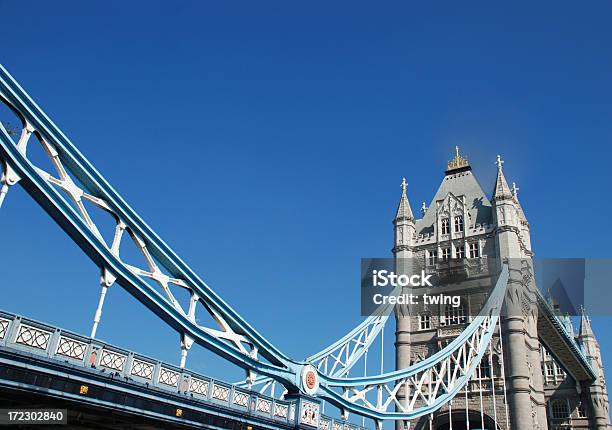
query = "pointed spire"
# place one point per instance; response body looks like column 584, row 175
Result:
column 403, row 210
column 585, row 324
column 502, row 190
column 515, row 191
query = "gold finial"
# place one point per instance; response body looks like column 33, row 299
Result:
column 458, row 162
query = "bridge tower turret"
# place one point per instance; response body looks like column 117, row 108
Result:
column 404, row 230
column 506, row 217
column 404, row 233
column 524, row 374
column 598, row 395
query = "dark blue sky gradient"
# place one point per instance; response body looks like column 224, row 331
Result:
column 266, row 141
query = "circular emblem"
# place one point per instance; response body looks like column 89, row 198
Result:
column 310, row 380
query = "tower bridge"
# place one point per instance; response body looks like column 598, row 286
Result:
column 484, row 364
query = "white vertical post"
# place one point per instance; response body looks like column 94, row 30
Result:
column 492, row 371
column 3, row 192
column 467, row 414
column 479, row 370
column 9, row 177
column 5, row 181
column 325, row 367
column 98, row 313
column 365, row 373
column 186, row 343
column 183, row 355
column 503, row 371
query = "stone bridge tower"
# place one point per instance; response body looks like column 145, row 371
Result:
column 463, row 237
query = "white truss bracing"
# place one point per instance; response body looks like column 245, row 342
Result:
column 337, row 359
column 418, row 392
column 426, row 386
column 153, row 271
column 160, row 275
column 75, row 195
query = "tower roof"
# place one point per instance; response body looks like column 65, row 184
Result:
column 403, row 210
column 458, row 181
column 501, row 190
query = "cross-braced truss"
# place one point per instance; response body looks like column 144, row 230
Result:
column 74, row 193
column 74, row 190
column 425, row 386
column 338, row 358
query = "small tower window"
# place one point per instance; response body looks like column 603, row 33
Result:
column 424, row 322
column 559, row 370
column 483, row 368
column 454, row 315
column 460, row 252
column 432, row 256
column 445, row 226
column 581, row 410
column 459, row 223
column 445, row 254
column 474, row 251
column 550, row 371
column 559, row 409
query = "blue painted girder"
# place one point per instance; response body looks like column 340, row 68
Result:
column 278, row 365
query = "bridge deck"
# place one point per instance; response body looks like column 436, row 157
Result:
column 104, row 386
column 561, row 344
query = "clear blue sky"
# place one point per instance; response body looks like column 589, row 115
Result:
column 266, row 141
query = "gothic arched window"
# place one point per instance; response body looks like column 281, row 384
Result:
column 459, row 223
column 474, row 251
column 445, row 225
column 559, row 409
column 432, row 256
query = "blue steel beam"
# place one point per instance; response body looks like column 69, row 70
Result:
column 235, row 331
column 278, row 365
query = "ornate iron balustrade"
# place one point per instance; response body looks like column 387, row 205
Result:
column 65, row 347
